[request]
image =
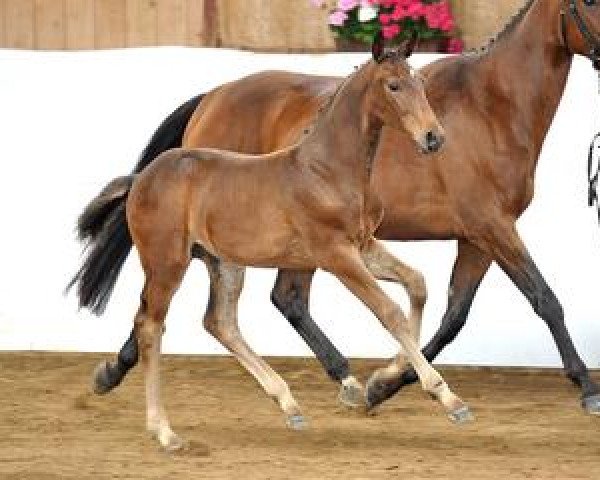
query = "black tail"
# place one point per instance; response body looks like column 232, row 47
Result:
column 103, row 224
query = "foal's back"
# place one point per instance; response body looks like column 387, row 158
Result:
column 238, row 207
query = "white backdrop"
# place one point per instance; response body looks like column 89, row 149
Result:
column 70, row 122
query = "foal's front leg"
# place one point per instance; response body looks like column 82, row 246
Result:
column 469, row 268
column 384, row 266
column 348, row 265
column 221, row 320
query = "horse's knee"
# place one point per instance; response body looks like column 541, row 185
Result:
column 547, row 306
column 417, row 289
column 289, row 302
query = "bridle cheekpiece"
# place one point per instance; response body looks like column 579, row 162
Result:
column 592, row 43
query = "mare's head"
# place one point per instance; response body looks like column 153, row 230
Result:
column 396, row 97
column 581, row 27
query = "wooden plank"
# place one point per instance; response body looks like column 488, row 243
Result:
column 50, row 25
column 109, row 24
column 172, row 21
column 141, row 23
column 2, row 23
column 196, row 35
column 80, row 24
column 284, row 26
column 19, row 24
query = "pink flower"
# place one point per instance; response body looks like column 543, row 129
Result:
column 346, row 5
column 455, row 45
column 390, row 31
column 338, row 18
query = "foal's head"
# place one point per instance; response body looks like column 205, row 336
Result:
column 396, row 97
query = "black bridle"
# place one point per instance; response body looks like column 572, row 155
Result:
column 592, row 43
column 593, row 53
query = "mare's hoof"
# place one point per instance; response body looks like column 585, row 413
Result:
column 297, row 422
column 102, row 383
column 591, row 404
column 462, row 416
column 378, row 391
column 352, row 395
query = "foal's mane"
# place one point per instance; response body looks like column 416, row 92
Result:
column 512, row 23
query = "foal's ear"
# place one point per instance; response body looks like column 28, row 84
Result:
column 378, row 47
column 411, row 44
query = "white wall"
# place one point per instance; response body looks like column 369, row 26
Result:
column 70, row 122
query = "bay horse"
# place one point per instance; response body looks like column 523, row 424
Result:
column 308, row 206
column 474, row 191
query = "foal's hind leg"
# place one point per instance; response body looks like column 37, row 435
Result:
column 384, row 266
column 290, row 296
column 226, row 281
column 156, row 296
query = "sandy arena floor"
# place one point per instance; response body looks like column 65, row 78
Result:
column 528, row 425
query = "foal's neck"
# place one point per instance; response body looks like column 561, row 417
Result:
column 345, row 137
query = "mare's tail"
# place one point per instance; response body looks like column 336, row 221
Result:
column 103, row 224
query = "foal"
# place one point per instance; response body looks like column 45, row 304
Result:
column 308, row 206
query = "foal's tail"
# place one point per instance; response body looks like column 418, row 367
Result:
column 103, row 225
column 103, row 228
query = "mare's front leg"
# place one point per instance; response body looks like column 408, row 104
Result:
column 469, row 269
column 221, row 320
column 291, row 297
column 512, row 256
column 349, row 266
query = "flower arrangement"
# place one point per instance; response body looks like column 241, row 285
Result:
column 361, row 20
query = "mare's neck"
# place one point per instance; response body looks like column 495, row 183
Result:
column 526, row 71
column 345, row 138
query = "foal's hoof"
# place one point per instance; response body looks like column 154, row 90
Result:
column 102, row 383
column 591, row 404
column 352, row 394
column 462, row 416
column 171, row 443
column 296, row 422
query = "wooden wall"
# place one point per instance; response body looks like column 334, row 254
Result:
column 255, row 24
column 95, row 24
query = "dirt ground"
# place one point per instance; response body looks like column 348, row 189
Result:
column 529, row 426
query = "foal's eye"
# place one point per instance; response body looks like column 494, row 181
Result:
column 590, row 3
column 394, row 85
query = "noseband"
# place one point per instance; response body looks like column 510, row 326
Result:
column 592, row 43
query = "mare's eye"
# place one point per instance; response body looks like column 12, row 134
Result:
column 590, row 3
column 393, row 85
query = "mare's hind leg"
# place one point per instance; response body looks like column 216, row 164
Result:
column 290, row 296
column 160, row 286
column 226, row 282
column 384, row 266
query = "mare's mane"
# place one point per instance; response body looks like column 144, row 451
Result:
column 512, row 23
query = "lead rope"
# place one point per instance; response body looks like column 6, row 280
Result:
column 593, row 176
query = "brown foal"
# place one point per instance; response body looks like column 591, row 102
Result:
column 305, row 207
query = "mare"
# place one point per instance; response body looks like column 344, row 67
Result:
column 473, row 191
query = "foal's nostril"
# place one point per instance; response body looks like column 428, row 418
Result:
column 433, row 142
